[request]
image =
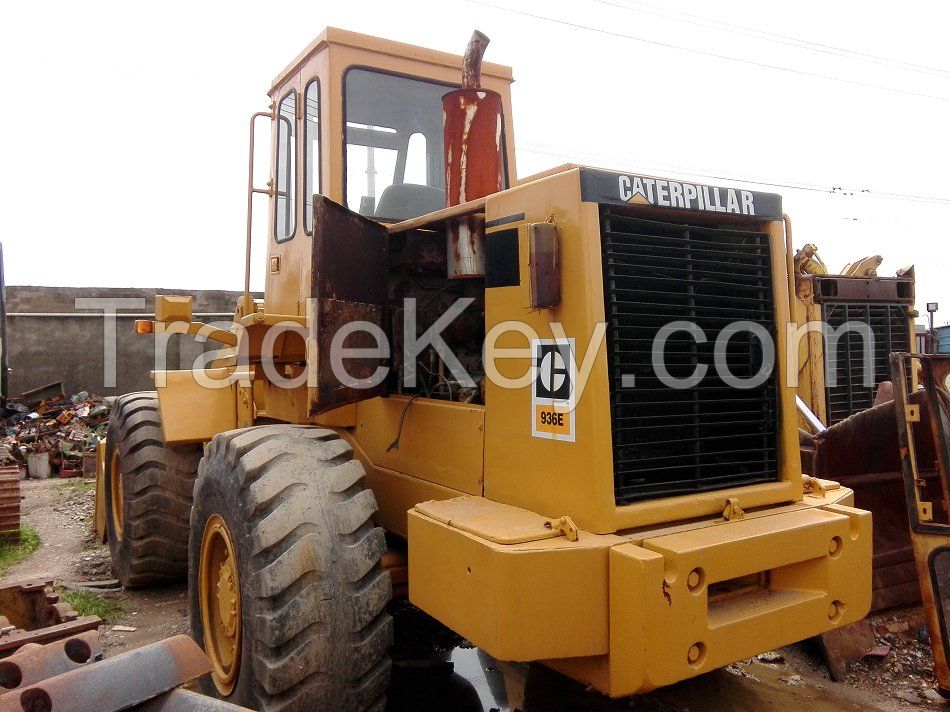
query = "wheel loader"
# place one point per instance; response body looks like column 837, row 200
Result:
column 856, row 295
column 451, row 390
column 837, row 383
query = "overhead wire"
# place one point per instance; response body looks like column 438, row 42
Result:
column 831, row 189
column 701, row 21
column 706, row 53
column 556, row 152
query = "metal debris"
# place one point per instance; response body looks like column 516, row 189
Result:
column 33, row 663
column 862, row 452
column 69, row 674
column 31, row 612
column 846, row 645
column 10, row 503
column 188, row 701
column 878, row 651
column 115, row 683
column 52, row 435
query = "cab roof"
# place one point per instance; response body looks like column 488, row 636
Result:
column 334, row 36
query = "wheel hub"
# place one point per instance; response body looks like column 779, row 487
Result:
column 227, row 598
column 117, row 493
column 219, row 599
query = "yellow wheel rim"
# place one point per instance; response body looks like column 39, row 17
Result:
column 219, row 599
column 116, row 492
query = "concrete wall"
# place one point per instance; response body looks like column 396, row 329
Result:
column 52, row 337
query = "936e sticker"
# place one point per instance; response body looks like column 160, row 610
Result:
column 554, row 378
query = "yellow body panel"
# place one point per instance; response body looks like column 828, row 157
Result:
column 496, row 522
column 623, row 613
column 192, row 412
column 576, row 478
column 172, row 308
column 396, row 493
column 526, row 601
column 439, row 442
column 286, row 404
column 811, row 352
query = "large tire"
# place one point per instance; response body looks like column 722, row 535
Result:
column 148, row 494
column 309, row 626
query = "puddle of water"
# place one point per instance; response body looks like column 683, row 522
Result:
column 470, row 680
column 431, row 673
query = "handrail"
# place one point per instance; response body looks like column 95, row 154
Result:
column 247, row 299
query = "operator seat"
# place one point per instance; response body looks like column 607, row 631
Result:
column 402, row 201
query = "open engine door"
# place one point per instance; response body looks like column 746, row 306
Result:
column 928, row 501
column 349, row 285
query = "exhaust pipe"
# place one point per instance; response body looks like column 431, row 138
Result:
column 472, row 123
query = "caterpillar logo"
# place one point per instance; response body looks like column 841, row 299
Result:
column 688, row 196
column 631, row 189
column 552, row 395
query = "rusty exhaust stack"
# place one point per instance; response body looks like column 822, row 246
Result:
column 473, row 159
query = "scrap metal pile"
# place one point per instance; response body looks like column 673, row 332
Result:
column 46, row 434
column 51, row 660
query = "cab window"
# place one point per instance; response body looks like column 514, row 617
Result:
column 393, row 149
column 286, row 168
column 311, row 156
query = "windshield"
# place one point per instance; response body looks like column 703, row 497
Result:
column 393, row 149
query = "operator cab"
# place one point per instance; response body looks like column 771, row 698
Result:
column 359, row 120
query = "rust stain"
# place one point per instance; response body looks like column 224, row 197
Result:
column 862, row 452
column 472, row 120
column 472, row 61
column 116, row 683
column 666, row 593
column 33, row 663
column 473, row 156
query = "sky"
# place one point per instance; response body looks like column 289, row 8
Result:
column 123, row 126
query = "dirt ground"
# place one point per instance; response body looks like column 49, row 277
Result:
column 61, row 511
column 437, row 674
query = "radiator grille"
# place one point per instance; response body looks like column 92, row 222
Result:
column 888, row 323
column 675, row 441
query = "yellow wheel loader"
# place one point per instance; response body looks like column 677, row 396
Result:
column 842, row 387
column 550, row 409
column 860, row 297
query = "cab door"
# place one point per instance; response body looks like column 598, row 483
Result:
column 348, row 349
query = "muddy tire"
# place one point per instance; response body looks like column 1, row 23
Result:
column 148, row 494
column 287, row 593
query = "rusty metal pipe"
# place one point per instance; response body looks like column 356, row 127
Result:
column 472, row 61
column 33, row 663
column 188, row 701
column 115, row 683
column 472, row 123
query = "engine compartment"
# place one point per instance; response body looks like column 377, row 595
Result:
column 418, row 283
